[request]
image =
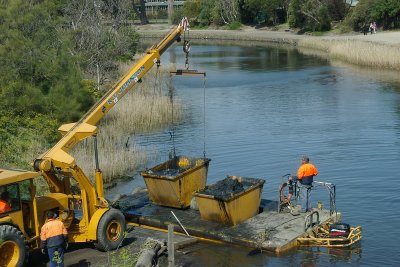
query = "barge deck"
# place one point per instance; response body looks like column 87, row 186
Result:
column 268, row 230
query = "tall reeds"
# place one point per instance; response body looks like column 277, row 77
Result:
column 362, row 53
column 145, row 109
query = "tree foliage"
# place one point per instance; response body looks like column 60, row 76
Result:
column 385, row 12
column 38, row 73
column 140, row 9
column 306, row 15
column 265, row 10
column 295, row 18
column 313, row 15
column 228, row 11
column 201, row 12
column 100, row 35
column 207, row 12
column 337, row 9
column 23, row 137
column 53, row 53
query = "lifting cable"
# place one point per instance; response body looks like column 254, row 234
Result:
column 171, row 95
column 157, row 88
column 172, row 134
column 184, row 72
column 204, row 116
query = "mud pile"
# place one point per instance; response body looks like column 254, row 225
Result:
column 226, row 188
column 168, row 173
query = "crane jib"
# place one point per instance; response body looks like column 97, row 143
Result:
column 114, row 99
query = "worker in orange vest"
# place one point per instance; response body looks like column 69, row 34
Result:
column 53, row 236
column 4, row 204
column 305, row 176
column 306, row 171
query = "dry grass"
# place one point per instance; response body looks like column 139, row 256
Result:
column 145, row 109
column 357, row 52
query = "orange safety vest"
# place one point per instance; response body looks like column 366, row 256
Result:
column 4, row 206
column 306, row 170
column 53, row 234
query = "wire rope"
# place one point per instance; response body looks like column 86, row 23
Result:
column 204, row 116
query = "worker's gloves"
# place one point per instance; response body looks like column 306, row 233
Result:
column 43, row 251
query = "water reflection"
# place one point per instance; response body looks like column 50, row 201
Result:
column 316, row 256
column 232, row 256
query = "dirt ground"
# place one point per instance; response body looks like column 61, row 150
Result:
column 80, row 255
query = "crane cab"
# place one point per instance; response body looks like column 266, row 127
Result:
column 23, row 213
column 19, row 219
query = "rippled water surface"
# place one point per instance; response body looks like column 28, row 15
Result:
column 264, row 108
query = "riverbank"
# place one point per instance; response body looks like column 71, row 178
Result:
column 380, row 50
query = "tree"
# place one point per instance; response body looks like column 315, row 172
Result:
column 100, row 36
column 42, row 84
column 337, row 9
column 192, row 9
column 202, row 12
column 36, row 60
column 140, row 9
column 311, row 15
column 268, row 9
column 387, row 13
column 317, row 15
column 228, row 11
column 48, row 50
column 361, row 15
column 295, row 17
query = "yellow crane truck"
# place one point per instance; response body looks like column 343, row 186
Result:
column 87, row 215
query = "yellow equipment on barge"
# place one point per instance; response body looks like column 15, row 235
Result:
column 320, row 236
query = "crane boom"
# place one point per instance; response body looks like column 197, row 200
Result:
column 58, row 161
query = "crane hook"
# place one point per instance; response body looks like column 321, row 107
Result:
column 186, row 50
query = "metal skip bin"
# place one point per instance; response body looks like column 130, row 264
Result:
column 173, row 182
column 230, row 201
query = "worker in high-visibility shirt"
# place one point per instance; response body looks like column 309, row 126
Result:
column 4, row 204
column 306, row 171
column 54, row 237
column 305, row 176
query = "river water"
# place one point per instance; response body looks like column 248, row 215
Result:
column 261, row 109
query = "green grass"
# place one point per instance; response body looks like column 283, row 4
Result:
column 317, row 33
column 234, row 25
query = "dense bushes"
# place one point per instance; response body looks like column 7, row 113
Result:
column 54, row 59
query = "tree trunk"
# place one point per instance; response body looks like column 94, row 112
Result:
column 140, row 11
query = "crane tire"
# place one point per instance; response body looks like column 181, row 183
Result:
column 13, row 251
column 111, row 230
